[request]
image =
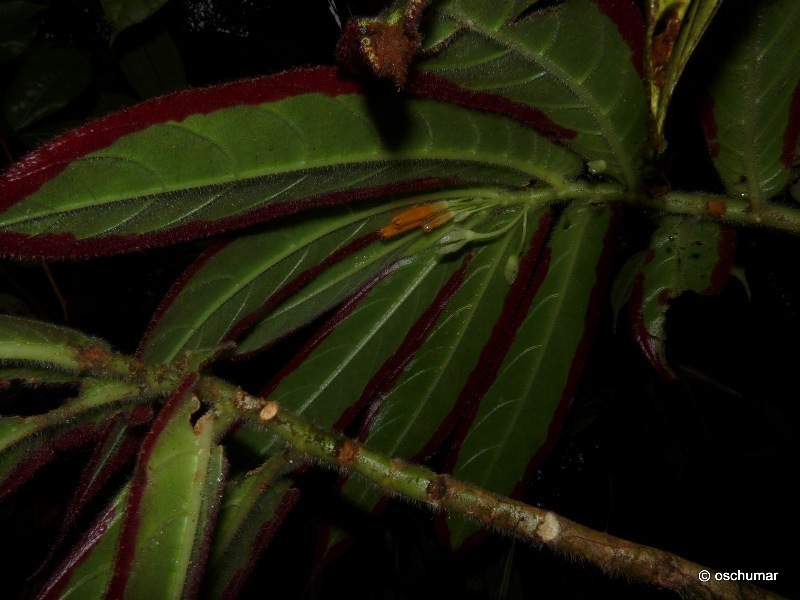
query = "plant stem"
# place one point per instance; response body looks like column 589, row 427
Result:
column 719, row 208
column 618, row 556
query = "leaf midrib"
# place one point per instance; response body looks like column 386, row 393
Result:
column 467, row 157
column 545, row 343
column 502, row 38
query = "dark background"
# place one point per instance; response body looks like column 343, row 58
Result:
column 703, row 467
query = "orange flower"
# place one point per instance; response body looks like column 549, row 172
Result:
column 413, row 218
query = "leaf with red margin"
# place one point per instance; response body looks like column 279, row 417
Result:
column 752, row 114
column 419, row 393
column 685, row 254
column 240, row 291
column 253, row 509
column 331, row 379
column 522, row 395
column 674, row 28
column 201, row 162
column 115, row 446
column 574, row 72
column 175, row 493
column 29, row 443
column 86, row 571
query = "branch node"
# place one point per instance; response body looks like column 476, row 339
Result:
column 437, row 488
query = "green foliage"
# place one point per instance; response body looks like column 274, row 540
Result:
column 435, row 258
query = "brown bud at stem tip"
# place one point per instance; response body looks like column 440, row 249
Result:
column 269, row 411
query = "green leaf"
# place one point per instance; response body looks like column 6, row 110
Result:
column 752, row 125
column 685, row 254
column 538, row 376
column 558, row 61
column 253, row 508
column 622, row 287
column 411, row 412
column 33, row 341
column 176, row 485
column 124, row 13
column 86, row 571
column 337, row 364
column 674, row 28
column 233, row 166
column 45, row 82
column 235, row 283
column 12, row 305
column 155, row 68
column 18, row 27
column 28, row 443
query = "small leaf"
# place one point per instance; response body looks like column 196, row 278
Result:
column 12, row 305
column 685, row 254
column 18, row 27
column 252, row 510
column 115, row 446
column 674, row 29
column 622, row 287
column 175, row 490
column 124, row 13
column 45, row 82
column 86, row 571
column 155, row 68
column 29, row 443
column 752, row 116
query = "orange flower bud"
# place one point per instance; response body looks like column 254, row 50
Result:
column 418, row 214
column 437, row 221
column 412, row 218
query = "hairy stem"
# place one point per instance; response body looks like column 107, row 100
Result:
column 719, row 208
column 612, row 554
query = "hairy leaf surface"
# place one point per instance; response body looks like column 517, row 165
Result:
column 685, row 254
column 525, row 405
column 409, row 417
column 29, row 443
column 59, row 347
column 752, row 119
column 175, row 492
column 252, row 510
column 261, row 286
column 204, row 161
column 571, row 63
column 673, row 31
column 86, row 571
